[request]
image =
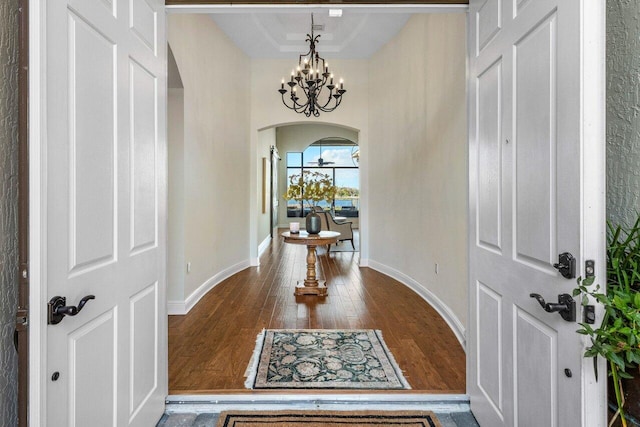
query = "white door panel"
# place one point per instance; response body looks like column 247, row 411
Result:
column 106, row 211
column 527, row 187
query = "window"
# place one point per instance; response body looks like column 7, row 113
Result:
column 339, row 163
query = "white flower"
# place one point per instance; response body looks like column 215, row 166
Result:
column 305, row 340
column 344, row 374
column 377, row 373
column 289, row 359
column 334, row 366
column 285, row 372
column 307, row 369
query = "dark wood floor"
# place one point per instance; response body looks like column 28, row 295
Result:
column 210, row 348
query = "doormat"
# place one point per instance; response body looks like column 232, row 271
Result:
column 323, row 359
column 328, row 418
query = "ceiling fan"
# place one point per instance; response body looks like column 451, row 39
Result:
column 321, row 161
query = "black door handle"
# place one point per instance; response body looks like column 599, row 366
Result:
column 58, row 309
column 566, row 306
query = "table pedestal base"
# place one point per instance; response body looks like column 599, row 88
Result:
column 320, row 290
column 311, row 285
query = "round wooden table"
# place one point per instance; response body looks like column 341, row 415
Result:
column 311, row 285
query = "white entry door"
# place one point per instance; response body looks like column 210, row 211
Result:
column 104, row 211
column 536, row 185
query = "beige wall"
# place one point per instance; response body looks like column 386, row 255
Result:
column 418, row 159
column 216, row 150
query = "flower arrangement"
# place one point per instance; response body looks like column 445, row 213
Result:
column 311, row 187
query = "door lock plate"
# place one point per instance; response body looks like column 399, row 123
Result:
column 566, row 265
column 53, row 317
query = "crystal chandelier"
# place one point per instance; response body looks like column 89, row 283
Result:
column 310, row 78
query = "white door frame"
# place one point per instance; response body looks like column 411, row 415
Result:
column 37, row 209
column 594, row 404
column 593, row 113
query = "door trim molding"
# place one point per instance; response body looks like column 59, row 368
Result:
column 37, row 207
column 593, row 171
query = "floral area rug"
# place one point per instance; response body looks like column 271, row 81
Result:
column 321, row 358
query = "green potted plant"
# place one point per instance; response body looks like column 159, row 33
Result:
column 311, row 187
column 617, row 339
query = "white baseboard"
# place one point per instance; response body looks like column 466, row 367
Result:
column 443, row 310
column 183, row 307
column 364, row 262
column 263, row 246
column 176, row 308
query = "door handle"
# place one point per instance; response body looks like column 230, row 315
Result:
column 566, row 306
column 58, row 309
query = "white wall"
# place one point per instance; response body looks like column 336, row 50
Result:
column 296, row 138
column 216, row 152
column 418, row 161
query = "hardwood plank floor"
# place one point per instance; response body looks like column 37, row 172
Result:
column 210, row 348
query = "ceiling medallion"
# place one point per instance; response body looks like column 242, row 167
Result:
column 310, row 78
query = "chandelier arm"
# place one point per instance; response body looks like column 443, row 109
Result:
column 296, row 103
column 328, row 101
column 328, row 110
column 298, row 108
column 338, row 102
column 285, row 103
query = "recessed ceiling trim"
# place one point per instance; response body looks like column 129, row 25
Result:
column 354, row 34
column 264, row 32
